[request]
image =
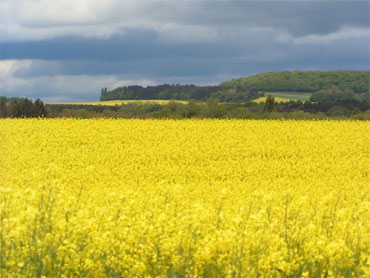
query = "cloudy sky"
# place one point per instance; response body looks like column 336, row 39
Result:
column 67, row 50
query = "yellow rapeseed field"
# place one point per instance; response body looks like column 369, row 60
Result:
column 120, row 102
column 277, row 99
column 189, row 198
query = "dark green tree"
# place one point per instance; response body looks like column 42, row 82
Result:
column 39, row 109
column 26, row 108
column 14, row 109
column 3, row 109
column 269, row 104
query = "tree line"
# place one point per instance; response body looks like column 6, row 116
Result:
column 343, row 94
column 165, row 91
column 340, row 107
column 213, row 108
column 178, row 92
column 21, row 107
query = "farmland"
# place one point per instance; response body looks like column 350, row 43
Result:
column 290, row 95
column 119, row 102
column 276, row 99
column 189, row 198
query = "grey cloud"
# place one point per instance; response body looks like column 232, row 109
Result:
column 299, row 18
column 136, row 44
column 295, row 17
column 142, row 54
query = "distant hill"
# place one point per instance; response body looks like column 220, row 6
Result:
column 247, row 88
column 302, row 81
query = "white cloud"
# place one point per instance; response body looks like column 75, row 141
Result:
column 39, row 19
column 60, row 87
column 57, row 87
column 43, row 13
column 7, row 69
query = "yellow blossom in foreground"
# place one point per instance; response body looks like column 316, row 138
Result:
column 190, row 198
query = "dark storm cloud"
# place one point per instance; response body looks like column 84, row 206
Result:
column 156, row 59
column 139, row 45
column 135, row 44
column 24, row 21
column 299, row 18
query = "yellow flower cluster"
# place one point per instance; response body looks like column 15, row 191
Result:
column 189, row 198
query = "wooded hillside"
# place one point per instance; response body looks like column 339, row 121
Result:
column 302, row 81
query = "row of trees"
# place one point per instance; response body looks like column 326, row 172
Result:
column 165, row 91
column 21, row 107
column 179, row 92
column 332, row 101
column 213, row 108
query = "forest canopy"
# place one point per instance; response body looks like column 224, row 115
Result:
column 302, row 81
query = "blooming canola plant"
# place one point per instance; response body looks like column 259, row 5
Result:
column 189, row 198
